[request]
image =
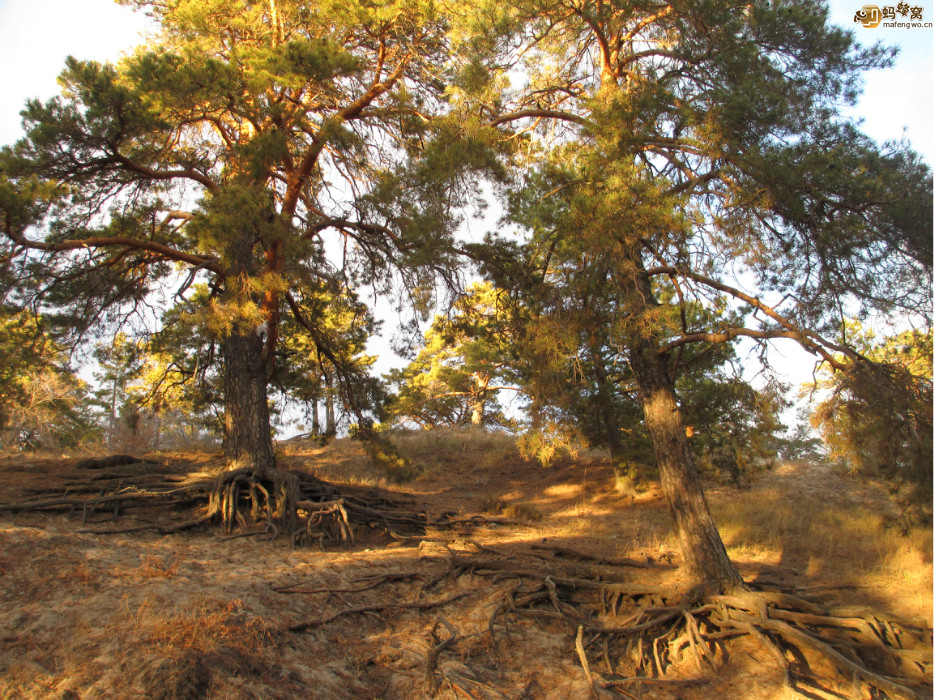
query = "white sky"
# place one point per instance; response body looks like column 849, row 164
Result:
column 37, row 35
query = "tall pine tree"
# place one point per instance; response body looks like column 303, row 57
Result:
column 672, row 149
column 251, row 150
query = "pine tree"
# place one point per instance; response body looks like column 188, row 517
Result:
column 669, row 150
column 466, row 361
column 253, row 149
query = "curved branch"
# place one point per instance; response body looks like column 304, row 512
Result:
column 809, row 340
column 541, row 114
column 347, row 113
column 189, row 173
column 201, row 261
column 730, row 333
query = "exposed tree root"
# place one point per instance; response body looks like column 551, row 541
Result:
column 110, row 461
column 293, row 505
column 821, row 653
column 373, row 582
column 301, row 507
column 432, row 682
column 624, row 636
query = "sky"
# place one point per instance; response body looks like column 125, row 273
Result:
column 37, row 35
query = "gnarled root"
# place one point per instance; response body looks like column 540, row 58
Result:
column 239, row 499
column 325, row 523
column 301, row 507
column 822, row 653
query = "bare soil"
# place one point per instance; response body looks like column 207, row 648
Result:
column 195, row 614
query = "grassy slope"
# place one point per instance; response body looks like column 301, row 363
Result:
column 193, row 616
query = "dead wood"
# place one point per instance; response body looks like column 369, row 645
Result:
column 417, row 605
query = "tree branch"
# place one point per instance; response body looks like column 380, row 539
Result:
column 809, row 340
column 202, row 261
column 540, row 114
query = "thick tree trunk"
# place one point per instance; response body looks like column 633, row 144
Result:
column 704, row 554
column 247, row 435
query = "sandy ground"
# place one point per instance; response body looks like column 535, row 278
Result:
column 195, row 615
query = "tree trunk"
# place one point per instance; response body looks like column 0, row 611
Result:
column 315, row 422
column 478, row 400
column 247, row 435
column 330, row 424
column 606, row 407
column 704, row 554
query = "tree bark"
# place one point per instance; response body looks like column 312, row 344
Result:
column 478, row 399
column 703, row 551
column 247, row 435
column 330, row 422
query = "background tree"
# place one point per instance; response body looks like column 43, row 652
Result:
column 467, row 360
column 325, row 364
column 42, row 403
column 876, row 417
column 673, row 149
column 116, row 364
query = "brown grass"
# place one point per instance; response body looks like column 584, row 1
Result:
column 212, row 625
column 99, row 615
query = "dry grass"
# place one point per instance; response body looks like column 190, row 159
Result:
column 101, row 615
column 465, row 448
column 425, row 452
column 152, row 567
column 212, row 625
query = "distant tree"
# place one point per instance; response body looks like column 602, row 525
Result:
column 733, row 428
column 467, row 359
column 176, row 389
column 325, row 364
column 117, row 362
column 42, row 402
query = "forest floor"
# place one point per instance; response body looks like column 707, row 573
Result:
column 195, row 614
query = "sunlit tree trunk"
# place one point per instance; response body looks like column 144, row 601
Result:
column 247, row 437
column 704, row 553
column 315, row 420
column 478, row 400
